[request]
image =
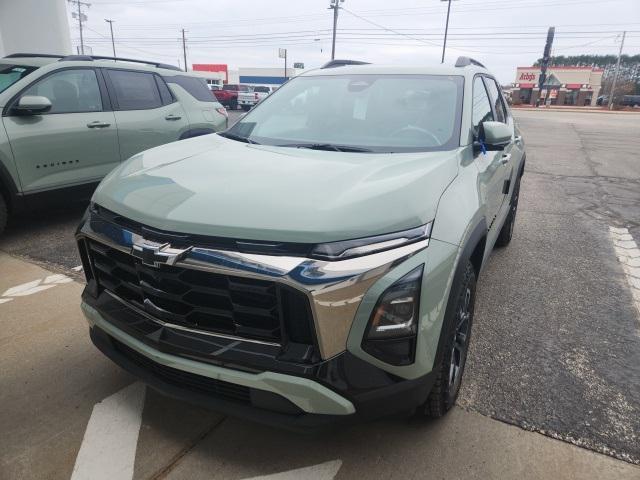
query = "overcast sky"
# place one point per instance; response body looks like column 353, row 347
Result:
column 502, row 34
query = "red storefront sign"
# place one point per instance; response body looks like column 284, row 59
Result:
column 213, row 67
column 527, row 76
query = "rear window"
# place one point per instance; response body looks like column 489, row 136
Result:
column 135, row 90
column 196, row 87
column 261, row 89
column 10, row 74
column 231, row 87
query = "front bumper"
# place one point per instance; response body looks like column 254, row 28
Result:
column 321, row 381
column 356, row 390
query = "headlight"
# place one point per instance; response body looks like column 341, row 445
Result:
column 366, row 246
column 392, row 329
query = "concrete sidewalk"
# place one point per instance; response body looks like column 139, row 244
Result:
column 51, row 377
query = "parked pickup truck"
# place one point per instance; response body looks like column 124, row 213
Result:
column 248, row 100
column 228, row 95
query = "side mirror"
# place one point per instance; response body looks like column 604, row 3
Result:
column 32, row 105
column 494, row 135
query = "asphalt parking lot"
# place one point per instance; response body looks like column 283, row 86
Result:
column 552, row 387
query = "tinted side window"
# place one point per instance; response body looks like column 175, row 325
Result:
column 165, row 93
column 135, row 90
column 196, row 87
column 261, row 89
column 498, row 106
column 481, row 105
column 70, row 91
column 230, row 87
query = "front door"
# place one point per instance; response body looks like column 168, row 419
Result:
column 75, row 142
column 489, row 163
column 512, row 153
column 146, row 112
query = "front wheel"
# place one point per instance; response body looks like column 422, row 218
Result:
column 246, row 108
column 456, row 346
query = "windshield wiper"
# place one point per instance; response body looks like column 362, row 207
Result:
column 239, row 138
column 327, row 146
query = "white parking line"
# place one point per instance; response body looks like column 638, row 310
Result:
column 323, row 471
column 629, row 256
column 35, row 286
column 108, row 449
column 77, row 269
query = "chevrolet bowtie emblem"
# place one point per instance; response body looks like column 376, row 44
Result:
column 155, row 254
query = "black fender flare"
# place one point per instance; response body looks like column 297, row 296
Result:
column 477, row 237
column 9, row 189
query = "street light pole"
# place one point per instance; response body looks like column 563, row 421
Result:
column 113, row 43
column 446, row 29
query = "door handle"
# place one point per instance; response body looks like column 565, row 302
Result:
column 505, row 158
column 98, row 124
column 172, row 117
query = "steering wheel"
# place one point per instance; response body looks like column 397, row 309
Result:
column 412, row 129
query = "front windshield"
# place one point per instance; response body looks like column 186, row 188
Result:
column 10, row 74
column 379, row 113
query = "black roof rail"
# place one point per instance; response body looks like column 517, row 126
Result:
column 342, row 63
column 33, row 55
column 89, row 58
column 466, row 61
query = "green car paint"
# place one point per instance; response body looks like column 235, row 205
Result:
column 283, row 192
column 73, row 148
column 269, row 193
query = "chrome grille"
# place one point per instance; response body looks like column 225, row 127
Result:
column 213, row 302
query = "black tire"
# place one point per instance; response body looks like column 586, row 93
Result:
column 233, row 105
column 456, row 345
column 504, row 238
column 246, row 108
column 4, row 213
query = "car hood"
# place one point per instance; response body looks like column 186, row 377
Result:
column 214, row 186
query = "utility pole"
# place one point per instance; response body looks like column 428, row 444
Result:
column 615, row 75
column 285, row 65
column 446, row 29
column 113, row 43
column 79, row 14
column 546, row 58
column 335, row 5
column 184, row 51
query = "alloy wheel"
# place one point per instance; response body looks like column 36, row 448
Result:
column 460, row 343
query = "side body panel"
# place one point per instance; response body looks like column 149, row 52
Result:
column 201, row 115
column 60, row 149
column 139, row 130
column 9, row 179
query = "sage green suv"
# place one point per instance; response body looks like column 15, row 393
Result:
column 68, row 121
column 317, row 261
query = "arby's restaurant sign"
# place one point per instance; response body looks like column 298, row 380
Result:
column 527, row 76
